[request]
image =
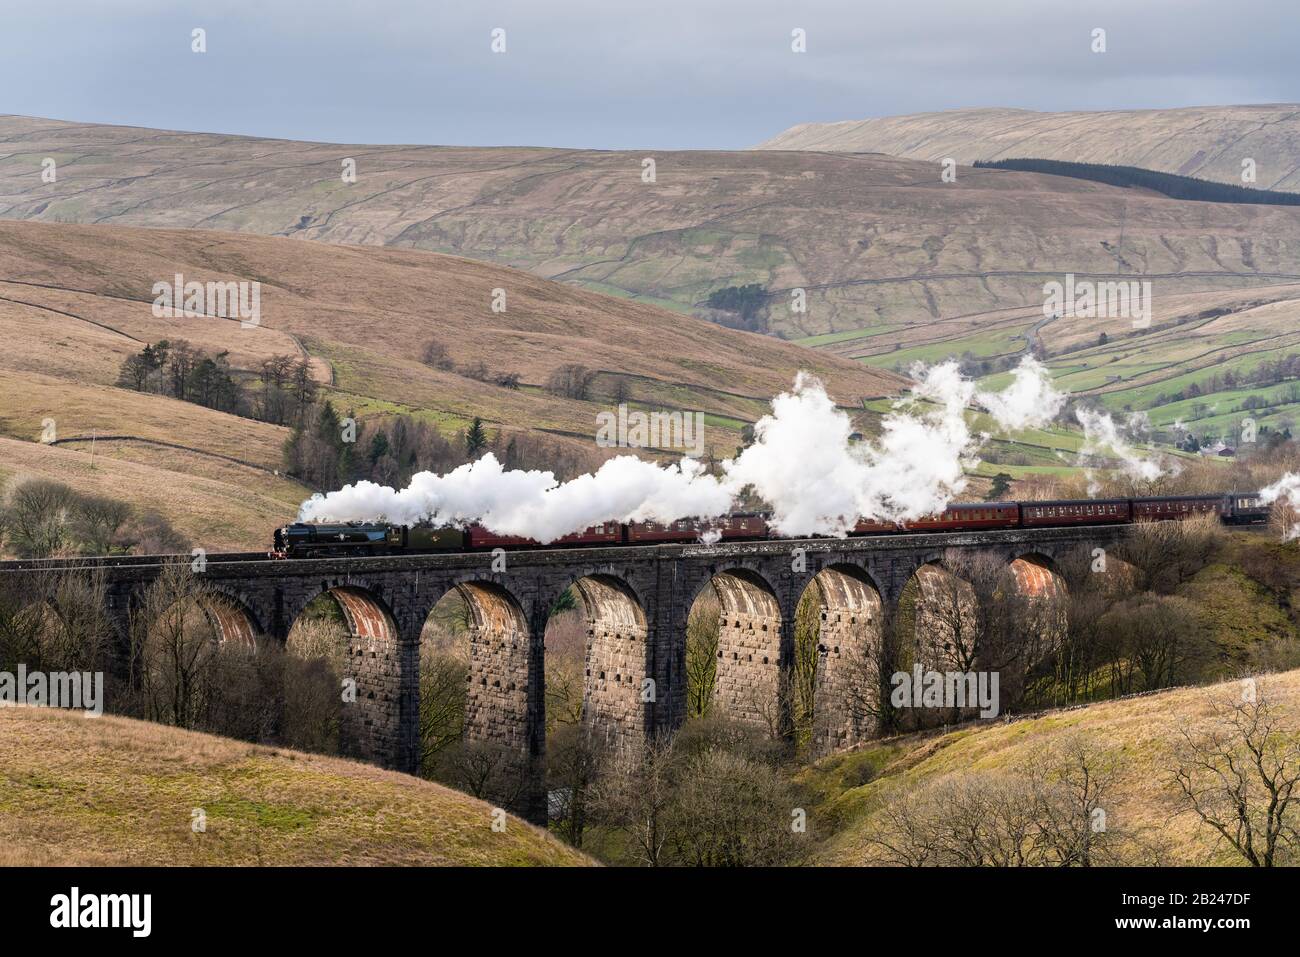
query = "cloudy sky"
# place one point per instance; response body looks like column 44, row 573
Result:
column 709, row 74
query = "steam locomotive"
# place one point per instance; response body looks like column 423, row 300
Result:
column 311, row 540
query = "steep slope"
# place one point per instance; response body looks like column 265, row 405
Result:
column 1208, row 142
column 1140, row 734
column 365, row 311
column 114, row 791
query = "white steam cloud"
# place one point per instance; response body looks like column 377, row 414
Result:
column 1029, row 402
column 531, row 503
column 801, row 463
column 1286, row 488
column 1102, row 437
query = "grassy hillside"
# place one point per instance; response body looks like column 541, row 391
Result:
column 215, row 505
column 1192, row 338
column 874, row 240
column 1141, row 735
column 75, row 301
column 76, row 791
column 1208, row 142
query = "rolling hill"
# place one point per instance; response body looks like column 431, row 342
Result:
column 75, row 301
column 1140, row 735
column 1193, row 365
column 1207, row 142
column 873, row 240
column 116, row 791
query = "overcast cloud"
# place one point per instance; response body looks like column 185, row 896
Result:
column 709, row 74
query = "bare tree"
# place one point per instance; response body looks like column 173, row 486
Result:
column 148, row 532
column 636, row 795
column 303, row 388
column 733, row 811
column 55, row 621
column 174, row 647
column 485, row 769
column 868, row 666
column 274, row 401
column 1094, row 584
column 442, row 701
column 621, row 390
column 1239, row 776
column 803, row 678
column 1049, row 812
column 702, row 654
column 244, row 691
column 1164, row 555
column 97, row 522
column 476, row 370
column 1157, row 638
column 182, row 359
column 37, row 518
column 312, row 710
column 435, row 356
column 574, row 760
column 1074, row 782
column 571, row 381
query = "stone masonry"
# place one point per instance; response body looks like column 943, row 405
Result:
column 636, row 601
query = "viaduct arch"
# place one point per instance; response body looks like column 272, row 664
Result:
column 634, row 602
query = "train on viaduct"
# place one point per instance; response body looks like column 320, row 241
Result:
column 635, row 602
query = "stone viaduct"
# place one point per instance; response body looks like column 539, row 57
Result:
column 635, row 600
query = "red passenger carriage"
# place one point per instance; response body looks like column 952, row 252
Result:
column 958, row 516
column 1181, row 506
column 1100, row 511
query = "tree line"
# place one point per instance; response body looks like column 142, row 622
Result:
column 182, row 371
column 328, row 451
column 1170, row 184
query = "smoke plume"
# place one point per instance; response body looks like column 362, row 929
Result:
column 1104, row 438
column 802, row 463
column 1287, row 489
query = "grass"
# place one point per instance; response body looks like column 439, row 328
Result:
column 80, row 409
column 74, row 304
column 78, row 791
column 231, row 511
column 848, row 335
column 981, row 346
column 1142, row 733
column 872, row 238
